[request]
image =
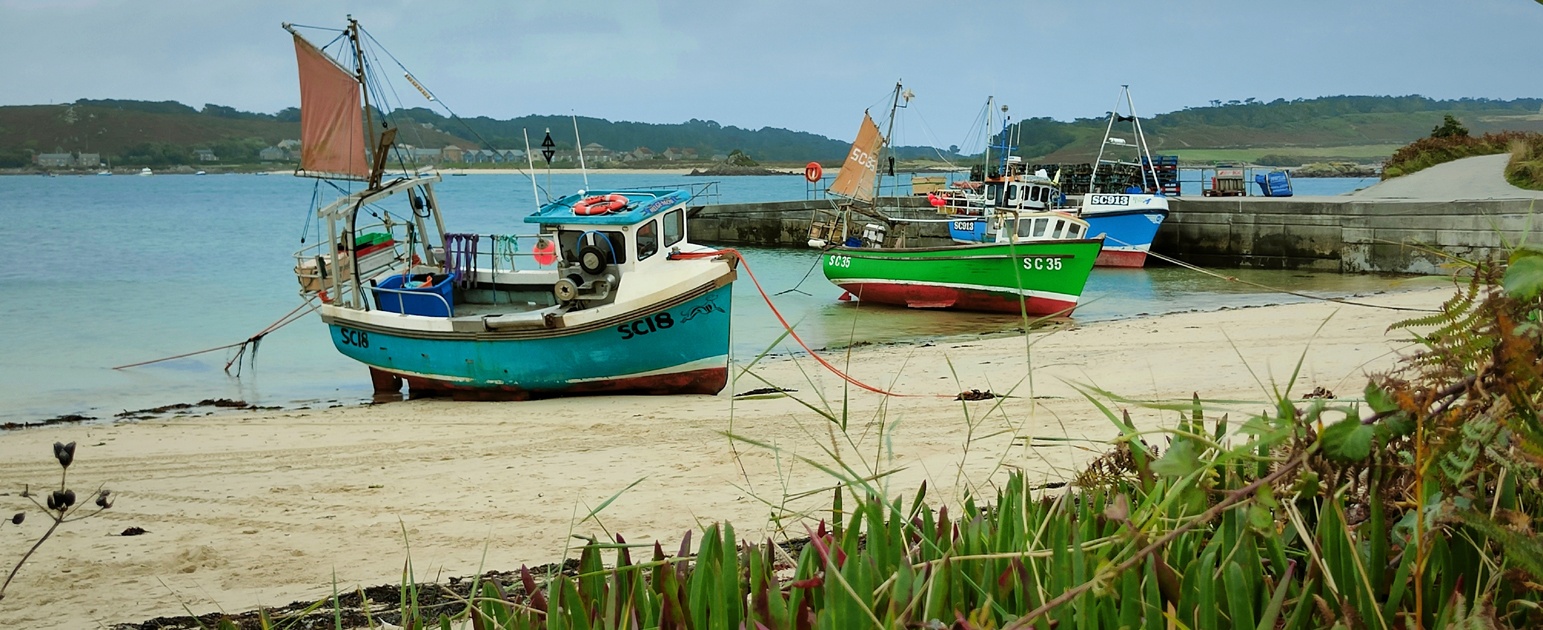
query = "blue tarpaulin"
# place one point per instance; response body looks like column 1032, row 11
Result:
column 1275, row 184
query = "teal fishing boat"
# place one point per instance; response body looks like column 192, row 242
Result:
column 609, row 295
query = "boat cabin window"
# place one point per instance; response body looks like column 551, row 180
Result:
column 1037, row 194
column 1074, row 231
column 572, row 241
column 648, row 240
column 674, row 226
column 1059, row 225
column 1039, row 227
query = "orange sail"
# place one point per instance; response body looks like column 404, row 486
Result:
column 862, row 164
column 331, row 122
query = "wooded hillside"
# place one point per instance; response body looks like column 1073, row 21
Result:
column 1360, row 128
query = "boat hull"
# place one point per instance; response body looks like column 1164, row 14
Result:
column 1129, row 229
column 674, row 349
column 1038, row 278
column 1128, row 235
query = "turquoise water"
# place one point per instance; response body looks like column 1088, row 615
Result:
column 115, row 270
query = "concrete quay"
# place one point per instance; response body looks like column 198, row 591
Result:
column 786, row 223
column 1346, row 234
column 1412, row 224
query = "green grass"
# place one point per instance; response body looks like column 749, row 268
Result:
column 1354, row 153
column 1525, row 170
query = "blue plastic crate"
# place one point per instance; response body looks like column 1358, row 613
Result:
column 424, row 300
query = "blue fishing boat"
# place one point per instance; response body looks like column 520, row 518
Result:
column 1127, row 213
column 609, row 294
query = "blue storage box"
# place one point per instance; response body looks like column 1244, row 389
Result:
column 432, row 300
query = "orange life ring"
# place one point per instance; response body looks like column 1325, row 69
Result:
column 812, row 172
column 599, row 204
column 545, row 252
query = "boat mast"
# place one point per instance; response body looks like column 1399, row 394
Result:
column 1007, row 145
column 878, row 182
column 1141, row 140
column 530, row 161
column 985, row 166
column 580, row 144
column 378, row 164
column 353, row 36
column 1113, row 113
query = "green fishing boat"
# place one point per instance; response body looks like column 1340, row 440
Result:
column 1038, row 277
column 1038, row 262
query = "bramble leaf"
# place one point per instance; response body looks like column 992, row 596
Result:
column 1379, row 399
column 1524, row 277
column 1348, row 440
column 1179, row 460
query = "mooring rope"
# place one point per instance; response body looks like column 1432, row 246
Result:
column 287, row 319
column 1199, row 269
column 788, row 327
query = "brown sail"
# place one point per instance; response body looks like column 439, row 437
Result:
column 331, row 123
column 862, row 164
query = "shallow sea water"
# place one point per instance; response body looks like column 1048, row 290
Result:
column 115, row 270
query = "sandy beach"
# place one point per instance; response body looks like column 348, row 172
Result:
column 256, row 509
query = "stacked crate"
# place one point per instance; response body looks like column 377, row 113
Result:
column 1167, row 169
column 1075, row 178
column 1117, row 177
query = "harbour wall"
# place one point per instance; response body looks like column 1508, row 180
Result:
column 786, row 223
column 1343, row 234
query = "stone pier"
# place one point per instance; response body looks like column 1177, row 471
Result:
column 1412, row 224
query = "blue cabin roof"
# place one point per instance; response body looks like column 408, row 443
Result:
column 642, row 203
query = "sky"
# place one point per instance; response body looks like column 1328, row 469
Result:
column 806, row 65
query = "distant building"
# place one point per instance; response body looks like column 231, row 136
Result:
column 453, row 153
column 54, row 159
column 491, row 156
column 423, row 156
column 642, row 153
column 88, row 160
column 289, row 145
column 273, row 154
column 205, row 155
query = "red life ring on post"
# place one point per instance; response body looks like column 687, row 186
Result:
column 545, row 252
column 599, row 204
column 812, row 172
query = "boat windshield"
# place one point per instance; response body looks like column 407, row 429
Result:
column 674, row 227
column 648, row 239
